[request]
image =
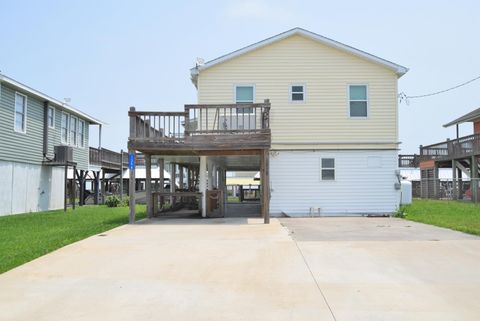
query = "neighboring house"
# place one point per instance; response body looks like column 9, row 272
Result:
column 32, row 124
column 330, row 137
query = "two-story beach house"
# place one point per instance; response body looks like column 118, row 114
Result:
column 41, row 138
column 317, row 118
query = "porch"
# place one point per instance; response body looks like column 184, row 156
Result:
column 198, row 147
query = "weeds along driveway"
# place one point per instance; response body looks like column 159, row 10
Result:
column 221, row 269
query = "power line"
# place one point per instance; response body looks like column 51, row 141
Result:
column 404, row 97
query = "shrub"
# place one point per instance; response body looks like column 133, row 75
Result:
column 112, row 201
column 401, row 212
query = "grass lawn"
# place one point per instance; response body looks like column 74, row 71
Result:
column 25, row 237
column 460, row 216
column 233, row 199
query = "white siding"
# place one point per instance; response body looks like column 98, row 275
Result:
column 30, row 188
column 364, row 182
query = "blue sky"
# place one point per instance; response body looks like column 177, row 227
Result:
column 109, row 55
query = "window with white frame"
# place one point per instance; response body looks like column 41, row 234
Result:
column 81, row 133
column 244, row 94
column 297, row 93
column 51, row 117
column 73, row 130
column 358, row 100
column 64, row 128
column 20, row 113
column 328, row 169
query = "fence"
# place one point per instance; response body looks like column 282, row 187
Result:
column 450, row 189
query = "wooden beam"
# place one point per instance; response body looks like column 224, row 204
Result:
column 265, row 185
column 131, row 190
column 148, row 184
column 161, row 174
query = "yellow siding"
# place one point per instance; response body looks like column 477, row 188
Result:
column 323, row 121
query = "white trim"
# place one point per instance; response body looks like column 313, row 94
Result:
column 76, row 131
column 334, row 168
column 42, row 96
column 367, row 101
column 25, row 107
column 53, row 115
column 398, row 69
column 290, row 92
column 66, row 142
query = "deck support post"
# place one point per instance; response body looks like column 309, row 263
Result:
column 73, row 188
column 474, row 178
column 180, row 178
column 161, row 175
column 210, row 174
column 121, row 174
column 265, row 188
column 454, row 180
column 131, row 189
column 148, row 184
column 436, row 182
column 102, row 184
column 173, row 179
column 65, row 194
column 203, row 185
column 96, row 183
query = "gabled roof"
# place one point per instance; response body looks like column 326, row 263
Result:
column 398, row 69
column 471, row 116
column 61, row 105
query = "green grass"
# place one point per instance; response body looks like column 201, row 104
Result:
column 25, row 237
column 460, row 216
column 233, row 199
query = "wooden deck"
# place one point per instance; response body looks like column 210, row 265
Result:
column 201, row 128
column 463, row 147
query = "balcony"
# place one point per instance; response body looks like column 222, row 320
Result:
column 459, row 148
column 106, row 158
column 201, row 128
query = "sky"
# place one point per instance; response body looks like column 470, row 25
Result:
column 109, row 55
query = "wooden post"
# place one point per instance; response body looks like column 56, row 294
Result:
column 435, row 181
column 65, row 194
column 73, row 187
column 264, row 180
column 148, row 184
column 96, row 183
column 460, row 184
column 173, row 179
column 131, row 187
column 454, row 180
column 180, row 178
column 203, row 184
column 161, row 175
column 81, row 182
column 103, row 186
column 121, row 174
column 474, row 178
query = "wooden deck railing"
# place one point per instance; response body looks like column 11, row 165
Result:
column 106, row 158
column 452, row 149
column 199, row 120
column 409, row 161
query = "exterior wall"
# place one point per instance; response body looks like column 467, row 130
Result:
column 30, row 188
column 476, row 127
column 364, row 183
column 322, row 122
column 28, row 147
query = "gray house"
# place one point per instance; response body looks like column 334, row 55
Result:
column 41, row 140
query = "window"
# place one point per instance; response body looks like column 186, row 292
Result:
column 244, row 94
column 328, row 169
column 20, row 113
column 64, row 128
column 81, row 133
column 358, row 100
column 297, row 93
column 51, row 117
column 73, row 130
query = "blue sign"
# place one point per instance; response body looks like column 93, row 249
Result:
column 131, row 161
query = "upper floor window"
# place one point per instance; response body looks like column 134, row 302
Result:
column 73, row 130
column 20, row 113
column 81, row 133
column 244, row 94
column 358, row 100
column 51, row 117
column 297, row 93
column 328, row 169
column 64, row 128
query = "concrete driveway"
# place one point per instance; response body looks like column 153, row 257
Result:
column 241, row 269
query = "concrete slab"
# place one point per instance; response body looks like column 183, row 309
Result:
column 391, row 269
column 221, row 269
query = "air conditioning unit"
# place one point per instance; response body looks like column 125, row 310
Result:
column 63, row 154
